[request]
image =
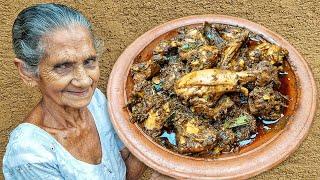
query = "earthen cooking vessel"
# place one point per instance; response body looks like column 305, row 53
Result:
column 267, row 151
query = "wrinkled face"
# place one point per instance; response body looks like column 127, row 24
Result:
column 69, row 71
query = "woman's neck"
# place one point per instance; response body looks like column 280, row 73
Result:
column 62, row 117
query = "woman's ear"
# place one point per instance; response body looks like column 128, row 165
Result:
column 27, row 77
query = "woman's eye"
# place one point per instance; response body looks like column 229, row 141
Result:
column 89, row 62
column 63, row 66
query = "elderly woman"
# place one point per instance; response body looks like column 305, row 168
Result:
column 68, row 134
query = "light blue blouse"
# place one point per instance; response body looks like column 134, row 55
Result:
column 32, row 153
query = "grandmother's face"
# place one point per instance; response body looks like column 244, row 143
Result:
column 69, row 71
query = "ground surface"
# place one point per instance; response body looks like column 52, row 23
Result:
column 118, row 23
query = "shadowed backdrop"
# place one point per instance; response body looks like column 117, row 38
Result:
column 118, row 23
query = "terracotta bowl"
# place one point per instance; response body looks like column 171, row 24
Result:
column 267, row 150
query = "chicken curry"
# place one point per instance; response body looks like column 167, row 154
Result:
column 206, row 90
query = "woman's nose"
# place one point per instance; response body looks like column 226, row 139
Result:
column 81, row 78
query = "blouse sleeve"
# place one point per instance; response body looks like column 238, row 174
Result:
column 29, row 161
column 101, row 98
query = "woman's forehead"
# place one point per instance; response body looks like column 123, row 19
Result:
column 72, row 43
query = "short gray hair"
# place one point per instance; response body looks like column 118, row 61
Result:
column 35, row 22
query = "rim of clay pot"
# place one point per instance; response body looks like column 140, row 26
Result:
column 243, row 165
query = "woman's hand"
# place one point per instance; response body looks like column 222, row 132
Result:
column 135, row 168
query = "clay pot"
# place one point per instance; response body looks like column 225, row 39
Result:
column 266, row 152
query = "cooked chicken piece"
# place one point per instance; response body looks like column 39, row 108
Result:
column 275, row 54
column 228, row 33
column 144, row 70
column 138, row 111
column 227, row 140
column 165, row 47
column 232, row 49
column 210, row 84
column 194, row 136
column 238, row 126
column 193, row 39
column 142, row 101
column 156, row 119
column 269, row 73
column 266, row 103
column 216, row 112
column 238, row 116
column 204, row 57
column 242, row 133
column 194, row 35
column 172, row 72
column 212, row 35
column 165, row 51
column 268, row 52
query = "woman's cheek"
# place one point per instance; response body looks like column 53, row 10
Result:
column 95, row 74
column 58, row 81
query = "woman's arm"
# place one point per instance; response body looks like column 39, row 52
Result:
column 32, row 171
column 135, row 168
column 28, row 159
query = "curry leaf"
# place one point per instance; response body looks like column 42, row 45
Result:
column 239, row 121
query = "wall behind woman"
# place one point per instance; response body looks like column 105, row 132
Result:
column 120, row 23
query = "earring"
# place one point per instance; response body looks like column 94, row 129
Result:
column 30, row 84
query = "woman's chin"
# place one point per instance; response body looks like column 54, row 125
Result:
column 78, row 104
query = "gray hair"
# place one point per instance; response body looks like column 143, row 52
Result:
column 35, row 22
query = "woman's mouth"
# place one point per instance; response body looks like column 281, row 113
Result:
column 79, row 93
